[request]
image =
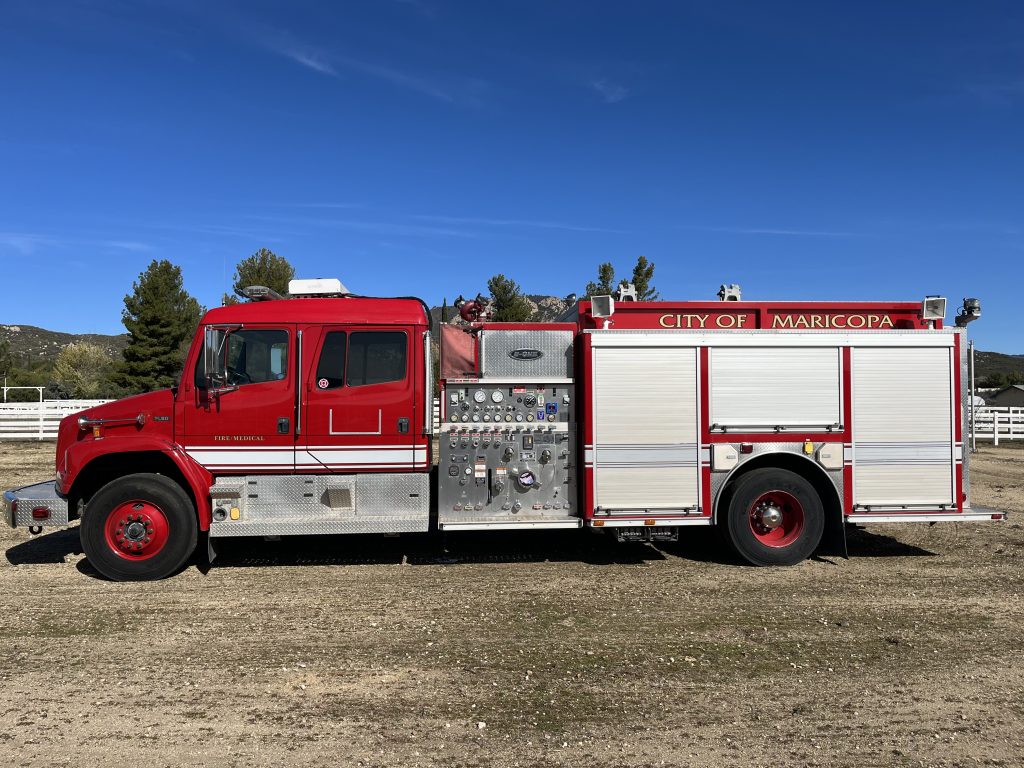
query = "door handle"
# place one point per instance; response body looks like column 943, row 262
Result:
column 403, row 425
column 284, row 426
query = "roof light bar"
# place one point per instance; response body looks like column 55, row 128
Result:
column 260, row 293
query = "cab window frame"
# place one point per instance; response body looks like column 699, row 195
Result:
column 283, row 376
column 347, row 369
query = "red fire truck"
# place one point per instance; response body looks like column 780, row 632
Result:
column 779, row 422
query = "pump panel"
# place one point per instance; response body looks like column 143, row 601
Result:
column 507, row 456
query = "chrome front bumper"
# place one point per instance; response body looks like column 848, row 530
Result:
column 34, row 506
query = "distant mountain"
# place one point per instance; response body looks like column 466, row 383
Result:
column 31, row 345
column 989, row 363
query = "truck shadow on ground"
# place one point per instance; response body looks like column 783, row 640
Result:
column 698, row 545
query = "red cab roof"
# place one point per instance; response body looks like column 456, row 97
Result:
column 360, row 311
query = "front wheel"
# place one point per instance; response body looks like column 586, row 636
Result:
column 138, row 528
column 775, row 517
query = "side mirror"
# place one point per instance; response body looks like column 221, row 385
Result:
column 215, row 373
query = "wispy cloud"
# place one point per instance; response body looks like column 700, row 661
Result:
column 1002, row 93
column 518, row 223
column 338, row 206
column 310, row 60
column 26, row 243
column 128, row 245
column 771, row 231
column 611, row 92
column 336, row 66
column 386, row 228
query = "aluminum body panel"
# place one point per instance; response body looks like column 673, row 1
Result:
column 512, row 354
column 759, row 388
column 29, row 497
column 645, row 427
column 903, row 448
column 518, row 465
column 290, row 505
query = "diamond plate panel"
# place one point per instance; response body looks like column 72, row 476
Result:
column 31, row 496
column 555, row 360
column 719, row 479
column 293, row 505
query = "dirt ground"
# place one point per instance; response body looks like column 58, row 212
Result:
column 525, row 649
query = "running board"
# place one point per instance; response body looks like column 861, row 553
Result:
column 507, row 526
column 640, row 522
column 952, row 517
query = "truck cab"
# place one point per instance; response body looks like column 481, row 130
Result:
column 306, row 415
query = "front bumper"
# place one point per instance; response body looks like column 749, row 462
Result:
column 35, row 505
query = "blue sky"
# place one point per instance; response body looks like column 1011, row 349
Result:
column 866, row 151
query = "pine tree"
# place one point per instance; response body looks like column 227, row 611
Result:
column 444, row 310
column 262, row 268
column 605, row 284
column 508, row 301
column 161, row 318
column 6, row 359
column 643, row 273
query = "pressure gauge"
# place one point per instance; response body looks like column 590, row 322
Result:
column 496, row 396
column 479, row 396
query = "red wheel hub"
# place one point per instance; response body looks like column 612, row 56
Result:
column 136, row 530
column 776, row 518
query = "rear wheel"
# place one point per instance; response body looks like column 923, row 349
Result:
column 139, row 527
column 775, row 517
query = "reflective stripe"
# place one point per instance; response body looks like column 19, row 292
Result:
column 315, row 457
column 903, row 453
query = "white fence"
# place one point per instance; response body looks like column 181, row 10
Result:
column 997, row 424
column 38, row 421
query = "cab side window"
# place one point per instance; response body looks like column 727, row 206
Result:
column 252, row 357
column 360, row 358
column 257, row 356
column 330, row 370
column 376, row 357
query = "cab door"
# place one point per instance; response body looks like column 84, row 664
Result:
column 250, row 425
column 358, row 408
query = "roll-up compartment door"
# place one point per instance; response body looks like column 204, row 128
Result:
column 645, row 410
column 769, row 387
column 902, row 426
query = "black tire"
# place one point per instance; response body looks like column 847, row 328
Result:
column 799, row 499
column 143, row 492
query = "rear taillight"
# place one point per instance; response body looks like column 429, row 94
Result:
column 40, row 513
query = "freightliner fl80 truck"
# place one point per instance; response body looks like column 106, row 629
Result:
column 779, row 422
